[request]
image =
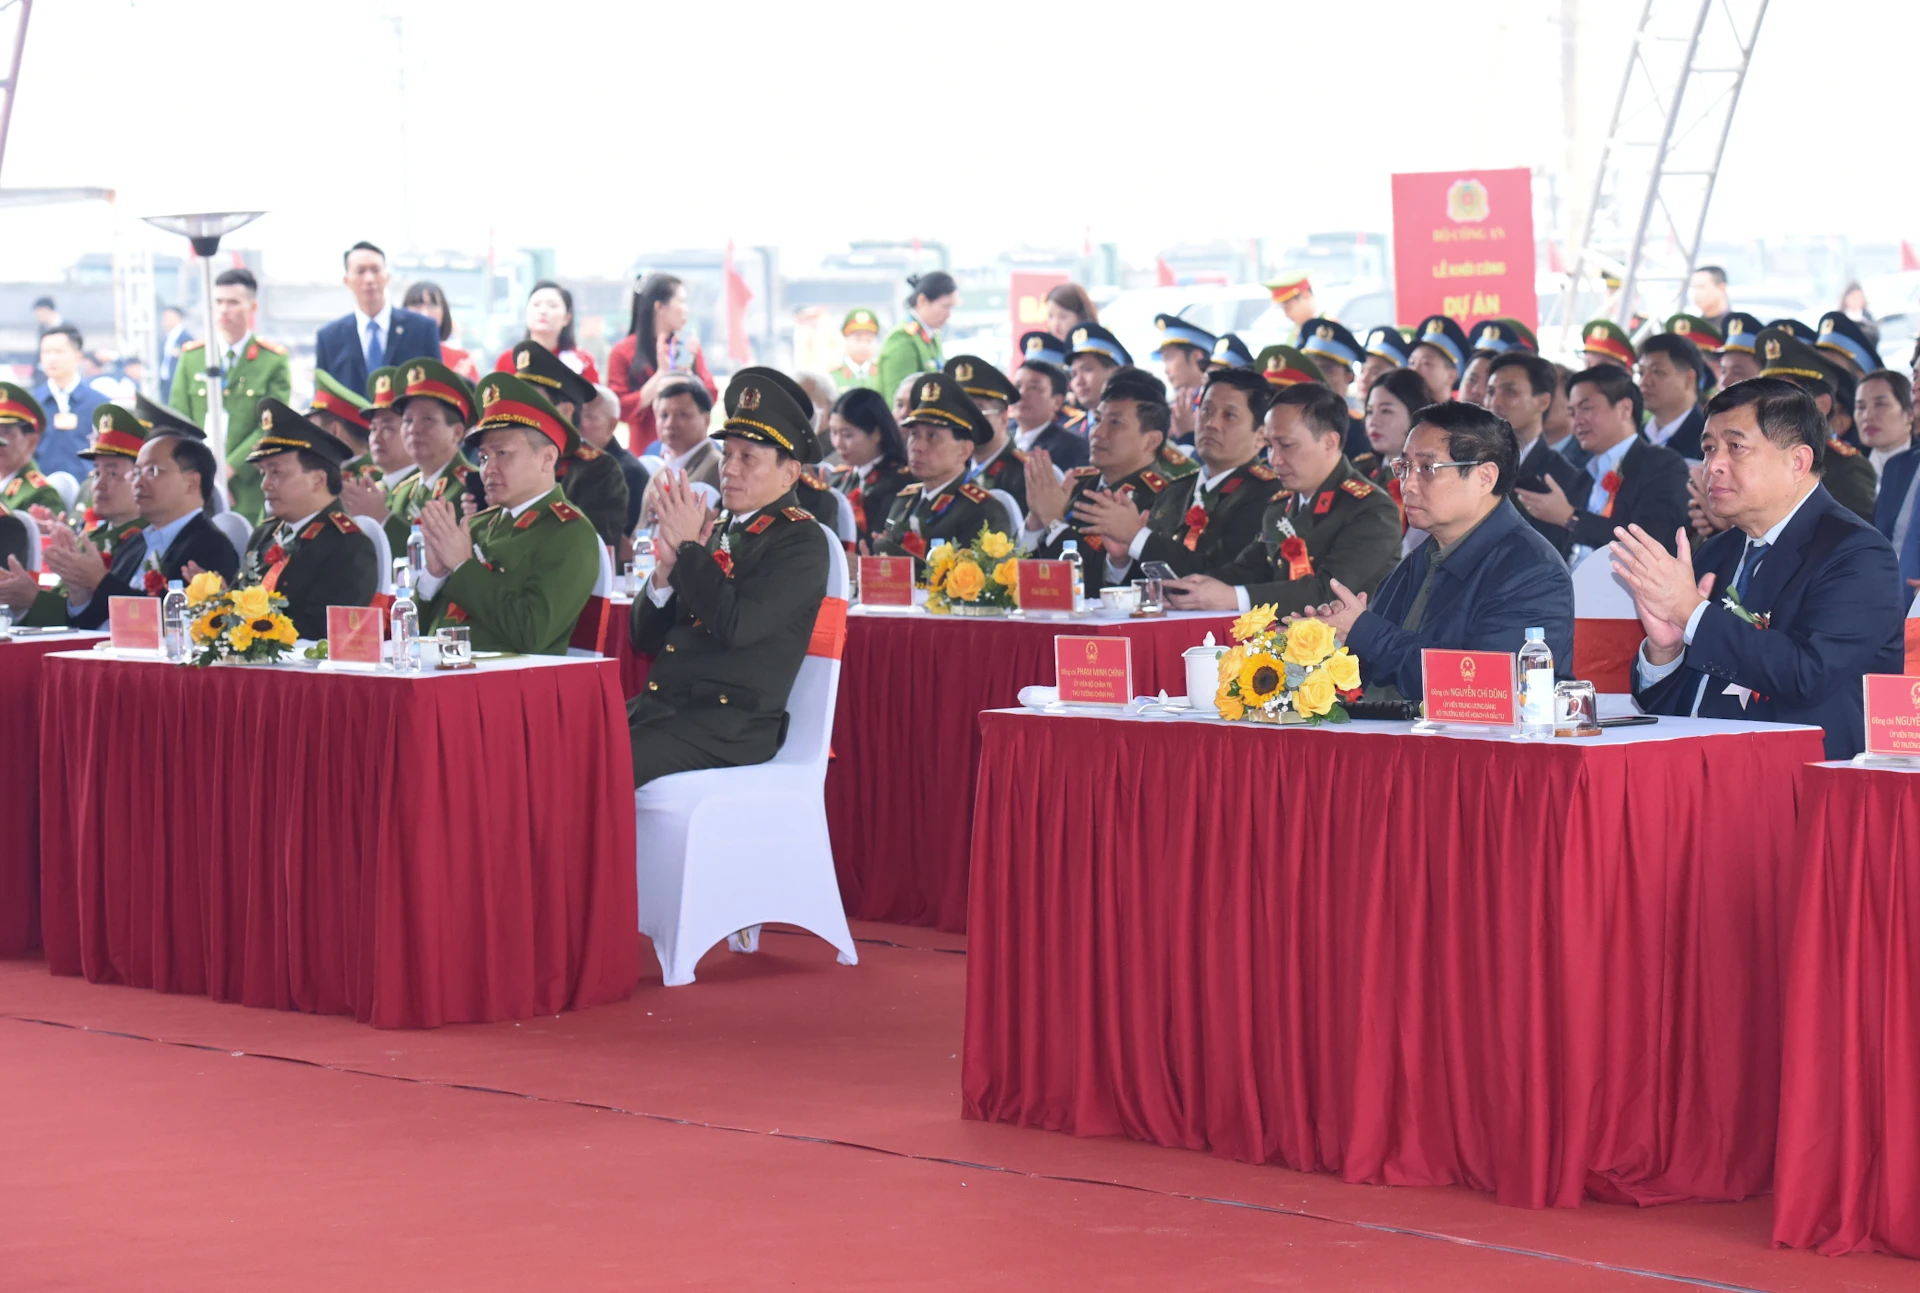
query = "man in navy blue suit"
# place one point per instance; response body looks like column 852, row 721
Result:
column 1775, row 619
column 375, row 335
column 68, row 400
column 1482, row 578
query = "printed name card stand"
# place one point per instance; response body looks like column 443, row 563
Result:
column 1045, row 588
column 1469, row 692
column 133, row 625
column 354, row 635
column 1893, row 721
column 886, row 583
column 1093, row 671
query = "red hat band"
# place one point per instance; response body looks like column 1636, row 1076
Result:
column 524, row 415
column 445, row 393
column 327, row 402
column 118, row 442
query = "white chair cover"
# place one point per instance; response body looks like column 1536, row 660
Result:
column 843, row 523
column 382, row 551
column 66, row 486
column 603, row 582
column 33, row 540
column 1011, row 508
column 728, row 849
column 235, row 527
column 1598, row 593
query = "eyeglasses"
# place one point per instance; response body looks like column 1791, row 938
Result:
column 1402, row 468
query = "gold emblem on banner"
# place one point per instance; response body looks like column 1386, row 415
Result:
column 1467, row 669
column 1093, row 652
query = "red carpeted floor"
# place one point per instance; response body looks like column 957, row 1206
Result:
column 784, row 1123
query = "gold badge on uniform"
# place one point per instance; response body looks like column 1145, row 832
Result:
column 1492, row 334
column 521, row 360
column 383, row 383
column 1826, row 326
column 930, row 393
column 487, row 397
column 1435, row 327
column 266, row 419
column 963, row 372
column 420, row 374
column 1773, row 349
column 750, row 398
column 1079, row 336
column 1323, row 332
column 1681, row 327
column 1596, row 332
column 1035, row 345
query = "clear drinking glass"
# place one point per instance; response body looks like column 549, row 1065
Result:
column 1576, row 709
column 6, row 620
column 456, row 647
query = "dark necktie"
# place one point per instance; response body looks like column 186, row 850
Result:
column 1756, row 552
column 376, row 352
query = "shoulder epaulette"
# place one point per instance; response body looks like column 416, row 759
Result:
column 1261, row 473
column 914, row 488
column 794, row 514
column 1153, row 480
column 1357, row 488
column 1085, row 471
column 344, row 523
column 586, row 452
column 192, row 345
column 973, row 492
column 1284, row 496
column 812, row 481
column 35, row 479
column 129, row 532
column 1019, row 454
column 274, row 346
column 1842, row 448
column 1071, row 416
column 309, row 532
column 760, row 523
column 563, row 509
column 459, row 471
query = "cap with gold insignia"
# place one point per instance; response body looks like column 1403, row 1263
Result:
column 1092, row 339
column 1287, row 286
column 1742, row 331
column 284, row 431
column 1286, row 366
column 382, row 385
column 1043, row 348
column 1782, row 354
column 1329, row 339
column 1389, row 343
column 765, row 406
column 1842, row 336
column 19, row 407
column 980, row 379
column 1797, row 329
column 1699, row 331
column 116, row 434
column 1176, row 331
column 1498, row 336
column 1231, row 352
column 937, row 399
column 1607, row 339
column 330, row 396
column 429, row 379
column 1445, row 336
column 861, row 320
column 506, row 401
column 160, row 420
column 533, row 362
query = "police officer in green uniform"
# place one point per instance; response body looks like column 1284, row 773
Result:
column 22, row 423
column 252, row 369
column 517, row 573
column 308, row 549
column 730, row 609
column 914, row 346
column 860, row 335
column 943, row 427
column 999, row 463
column 1603, row 341
column 1844, row 470
column 443, row 409
column 344, row 414
column 380, row 418
column 591, row 478
column 117, row 437
column 1328, row 523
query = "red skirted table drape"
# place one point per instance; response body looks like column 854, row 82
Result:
column 20, row 661
column 442, row 848
column 1546, row 970
column 906, row 741
column 1848, row 1178
column 619, row 646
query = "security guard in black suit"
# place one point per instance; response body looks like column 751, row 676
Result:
column 943, row 427
column 730, row 609
column 308, row 549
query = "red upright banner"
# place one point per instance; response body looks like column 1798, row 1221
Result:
column 1027, row 304
column 1463, row 246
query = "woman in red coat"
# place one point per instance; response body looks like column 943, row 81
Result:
column 550, row 322
column 654, row 352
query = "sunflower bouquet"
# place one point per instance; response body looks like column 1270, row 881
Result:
column 1285, row 673
column 241, row 624
column 977, row 579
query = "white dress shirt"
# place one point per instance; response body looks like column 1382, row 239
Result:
column 385, row 320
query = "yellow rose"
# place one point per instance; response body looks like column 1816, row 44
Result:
column 252, row 603
column 1254, row 622
column 1006, row 573
column 1230, row 664
column 941, row 557
column 967, row 581
column 1314, row 696
column 1344, row 669
column 204, row 587
column 1229, row 706
column 1308, row 643
column 996, row 545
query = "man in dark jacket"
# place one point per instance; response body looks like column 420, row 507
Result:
column 308, row 550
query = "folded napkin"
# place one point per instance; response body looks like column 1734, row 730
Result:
column 1039, row 697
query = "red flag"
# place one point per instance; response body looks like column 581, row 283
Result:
column 738, row 294
column 1909, row 259
column 1556, row 263
column 1167, row 277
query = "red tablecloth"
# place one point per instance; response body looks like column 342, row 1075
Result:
column 906, row 742
column 633, row 666
column 1848, row 1178
column 1544, row 971
column 410, row 851
column 20, row 787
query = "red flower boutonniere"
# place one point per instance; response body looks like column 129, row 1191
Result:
column 914, row 544
column 456, row 612
column 1611, row 483
column 1294, row 553
column 724, row 560
column 89, row 518
column 253, row 352
column 275, row 555
column 154, row 583
column 1196, row 523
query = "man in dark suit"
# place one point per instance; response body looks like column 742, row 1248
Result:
column 1034, row 420
column 1520, row 388
column 68, row 400
column 173, row 489
column 1628, row 481
column 1671, row 370
column 375, row 334
column 1776, row 619
column 308, row 550
column 1482, row 578
column 1893, row 510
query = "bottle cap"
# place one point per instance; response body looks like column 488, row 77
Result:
column 175, row 586
column 1536, row 635
column 1070, row 546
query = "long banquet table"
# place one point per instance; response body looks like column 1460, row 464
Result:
column 1547, row 970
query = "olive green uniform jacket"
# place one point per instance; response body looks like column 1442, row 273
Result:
column 529, row 583
column 908, row 349
column 50, row 604
column 261, row 371
column 1350, row 528
column 405, row 500
column 1850, row 478
column 29, row 488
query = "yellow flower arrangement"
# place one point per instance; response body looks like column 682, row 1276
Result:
column 1285, row 673
column 996, row 545
column 1007, row 573
column 979, row 577
column 244, row 624
column 966, row 581
column 204, row 587
column 252, row 603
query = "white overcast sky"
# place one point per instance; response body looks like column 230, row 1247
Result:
column 990, row 125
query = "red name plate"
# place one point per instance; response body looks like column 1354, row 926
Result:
column 1893, row 714
column 353, row 634
column 1044, row 585
column 1093, row 670
column 886, row 581
column 1470, row 687
column 133, row 623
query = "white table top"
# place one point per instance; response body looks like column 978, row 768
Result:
column 1101, row 616
column 22, row 636
column 427, row 673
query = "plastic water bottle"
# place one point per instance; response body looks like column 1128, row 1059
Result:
column 1070, row 553
column 174, row 638
column 643, row 561
column 1536, row 686
column 405, row 618
column 416, row 555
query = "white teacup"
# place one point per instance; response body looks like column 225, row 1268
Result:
column 1121, row 599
